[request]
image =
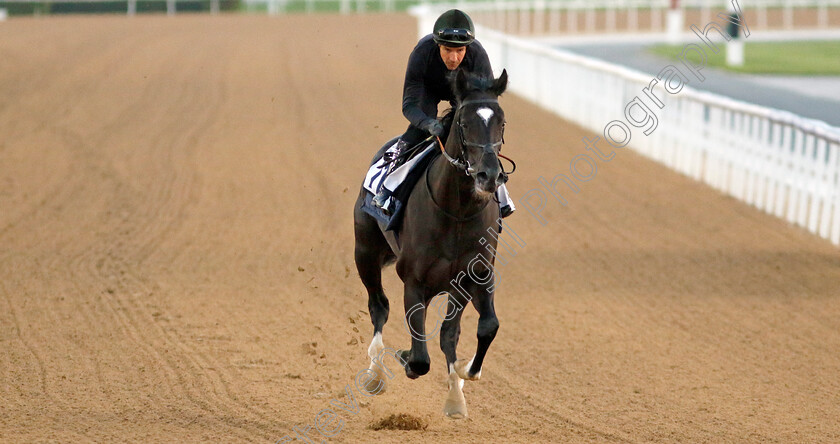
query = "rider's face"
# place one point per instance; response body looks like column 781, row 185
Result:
column 452, row 57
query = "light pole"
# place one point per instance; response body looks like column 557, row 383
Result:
column 735, row 45
column 675, row 22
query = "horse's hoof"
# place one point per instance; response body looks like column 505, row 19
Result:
column 376, row 386
column 414, row 369
column 456, row 415
column 455, row 408
column 462, row 367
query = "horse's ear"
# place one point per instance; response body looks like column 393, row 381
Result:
column 500, row 84
column 460, row 84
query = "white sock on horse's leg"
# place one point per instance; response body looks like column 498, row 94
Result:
column 376, row 386
column 462, row 367
column 456, row 405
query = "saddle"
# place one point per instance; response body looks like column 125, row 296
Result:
column 408, row 167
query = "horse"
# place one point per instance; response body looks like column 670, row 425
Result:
column 438, row 247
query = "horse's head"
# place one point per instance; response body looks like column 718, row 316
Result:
column 478, row 128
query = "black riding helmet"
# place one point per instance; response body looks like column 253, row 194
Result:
column 454, row 28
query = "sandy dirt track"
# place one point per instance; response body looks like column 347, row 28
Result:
column 176, row 258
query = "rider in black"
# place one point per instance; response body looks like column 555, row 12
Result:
column 452, row 45
column 427, row 76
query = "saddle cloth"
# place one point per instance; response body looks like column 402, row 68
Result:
column 378, row 175
column 399, row 182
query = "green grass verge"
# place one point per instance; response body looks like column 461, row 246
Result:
column 791, row 58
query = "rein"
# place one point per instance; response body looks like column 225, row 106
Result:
column 446, row 213
column 457, row 163
column 464, row 165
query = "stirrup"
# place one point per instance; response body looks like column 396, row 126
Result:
column 382, row 200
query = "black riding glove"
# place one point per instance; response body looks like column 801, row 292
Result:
column 432, row 127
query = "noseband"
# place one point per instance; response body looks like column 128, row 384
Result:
column 464, row 165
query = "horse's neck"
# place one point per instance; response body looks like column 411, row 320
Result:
column 452, row 188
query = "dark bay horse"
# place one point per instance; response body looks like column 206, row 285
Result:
column 450, row 219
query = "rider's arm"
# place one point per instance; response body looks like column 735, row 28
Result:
column 414, row 88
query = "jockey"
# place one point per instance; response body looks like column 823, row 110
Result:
column 452, row 45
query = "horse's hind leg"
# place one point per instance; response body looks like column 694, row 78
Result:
column 372, row 253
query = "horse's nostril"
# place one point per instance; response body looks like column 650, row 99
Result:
column 500, row 179
column 482, row 176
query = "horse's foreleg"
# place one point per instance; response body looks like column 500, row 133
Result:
column 455, row 406
column 417, row 359
column 488, row 325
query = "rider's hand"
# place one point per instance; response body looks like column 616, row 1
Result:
column 433, row 127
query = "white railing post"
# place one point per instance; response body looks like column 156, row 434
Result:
column 524, row 18
column 571, row 19
column 817, row 189
column 539, row 17
column 831, row 187
column 610, row 19
column 633, row 18
column 822, row 15
column 834, row 175
column 809, row 179
column 656, row 18
column 788, row 15
column 762, row 16
column 553, row 17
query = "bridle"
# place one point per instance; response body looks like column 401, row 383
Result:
column 464, row 164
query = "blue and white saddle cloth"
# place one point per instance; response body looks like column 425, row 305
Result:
column 406, row 175
column 378, row 177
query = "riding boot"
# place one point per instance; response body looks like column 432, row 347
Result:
column 383, row 200
column 506, row 206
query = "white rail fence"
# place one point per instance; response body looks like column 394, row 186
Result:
column 131, row 5
column 781, row 163
column 531, row 17
column 545, row 16
column 552, row 16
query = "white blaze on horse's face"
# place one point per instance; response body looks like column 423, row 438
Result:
column 485, row 114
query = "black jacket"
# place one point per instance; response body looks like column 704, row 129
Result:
column 427, row 78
